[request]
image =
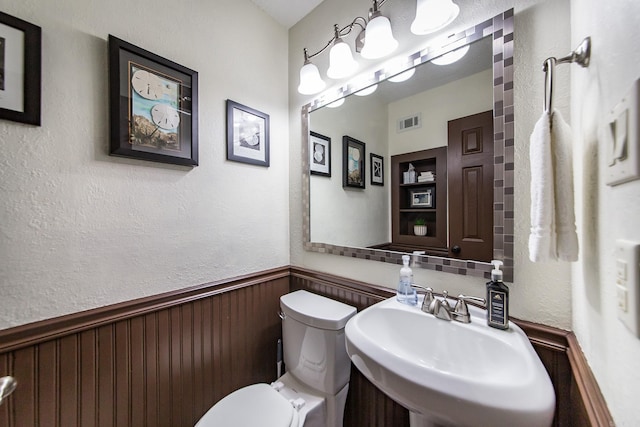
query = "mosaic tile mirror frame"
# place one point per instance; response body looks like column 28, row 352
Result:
column 501, row 29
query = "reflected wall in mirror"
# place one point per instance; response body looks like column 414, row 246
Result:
column 358, row 223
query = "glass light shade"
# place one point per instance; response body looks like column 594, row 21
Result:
column 433, row 15
column 378, row 38
column 403, row 76
column 336, row 103
column 310, row 80
column 367, row 90
column 451, row 57
column 341, row 62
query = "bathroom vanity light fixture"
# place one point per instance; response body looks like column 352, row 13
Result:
column 403, row 77
column 374, row 40
column 451, row 57
column 363, row 85
column 341, row 62
column 378, row 41
column 399, row 69
column 337, row 103
column 433, row 15
column 310, row 80
column 367, row 90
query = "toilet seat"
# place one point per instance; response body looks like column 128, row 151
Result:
column 251, row 406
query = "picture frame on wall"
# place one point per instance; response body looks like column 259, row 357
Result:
column 353, row 162
column 319, row 154
column 153, row 106
column 377, row 169
column 20, row 70
column 247, row 134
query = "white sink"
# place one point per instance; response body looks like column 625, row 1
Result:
column 450, row 373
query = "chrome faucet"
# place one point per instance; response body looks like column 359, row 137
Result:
column 441, row 308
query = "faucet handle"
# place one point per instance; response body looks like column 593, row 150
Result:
column 461, row 310
column 428, row 298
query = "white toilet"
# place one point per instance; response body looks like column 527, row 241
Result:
column 313, row 392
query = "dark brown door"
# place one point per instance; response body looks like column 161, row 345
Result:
column 470, row 170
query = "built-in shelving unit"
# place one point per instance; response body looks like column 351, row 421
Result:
column 413, row 200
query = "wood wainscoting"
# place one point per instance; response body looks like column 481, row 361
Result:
column 164, row 360
column 158, row 361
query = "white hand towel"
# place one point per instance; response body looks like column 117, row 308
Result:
column 542, row 238
column 553, row 231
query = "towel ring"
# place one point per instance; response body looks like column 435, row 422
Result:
column 581, row 55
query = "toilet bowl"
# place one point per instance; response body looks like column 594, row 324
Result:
column 314, row 390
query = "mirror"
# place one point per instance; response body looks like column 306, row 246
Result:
column 352, row 222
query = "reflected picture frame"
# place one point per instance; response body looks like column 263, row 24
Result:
column 153, row 106
column 247, row 134
column 377, row 169
column 20, row 70
column 319, row 154
column 353, row 162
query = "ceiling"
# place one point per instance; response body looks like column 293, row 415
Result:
column 287, row 12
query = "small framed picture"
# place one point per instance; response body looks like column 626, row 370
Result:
column 20, row 70
column 247, row 134
column 377, row 169
column 153, row 106
column 353, row 162
column 423, row 198
column 319, row 154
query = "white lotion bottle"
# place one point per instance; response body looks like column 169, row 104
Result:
column 406, row 294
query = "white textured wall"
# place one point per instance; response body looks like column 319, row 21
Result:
column 470, row 95
column 606, row 213
column 540, row 293
column 80, row 229
column 363, row 219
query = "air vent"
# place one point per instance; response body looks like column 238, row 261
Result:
column 411, row 122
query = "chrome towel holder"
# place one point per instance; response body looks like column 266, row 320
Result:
column 581, row 55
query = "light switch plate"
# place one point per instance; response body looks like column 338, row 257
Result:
column 627, row 284
column 623, row 154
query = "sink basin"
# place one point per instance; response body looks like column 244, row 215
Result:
column 450, row 373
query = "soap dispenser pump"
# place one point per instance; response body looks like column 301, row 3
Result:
column 497, row 299
column 406, row 294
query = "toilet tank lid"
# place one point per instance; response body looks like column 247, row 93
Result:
column 315, row 310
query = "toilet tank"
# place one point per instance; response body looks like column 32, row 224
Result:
column 314, row 341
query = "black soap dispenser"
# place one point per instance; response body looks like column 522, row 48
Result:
column 497, row 299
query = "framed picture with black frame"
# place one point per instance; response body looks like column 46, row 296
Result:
column 353, row 162
column 377, row 169
column 247, row 134
column 20, row 70
column 319, row 154
column 153, row 106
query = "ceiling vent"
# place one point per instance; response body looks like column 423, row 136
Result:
column 411, row 122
